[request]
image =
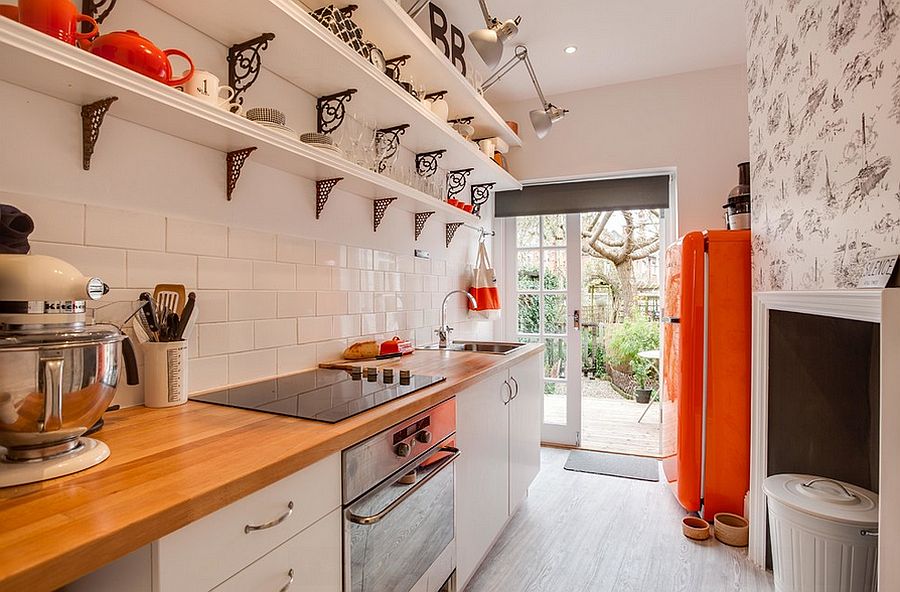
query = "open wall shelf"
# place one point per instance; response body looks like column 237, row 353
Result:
column 35, row 61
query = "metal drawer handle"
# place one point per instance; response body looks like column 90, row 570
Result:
column 289, row 582
column 849, row 494
column 869, row 533
column 674, row 320
column 515, row 382
column 375, row 518
column 251, row 527
column 506, row 400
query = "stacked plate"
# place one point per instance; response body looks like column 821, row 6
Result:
column 272, row 119
column 317, row 140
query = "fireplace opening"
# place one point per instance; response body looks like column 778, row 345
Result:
column 823, row 400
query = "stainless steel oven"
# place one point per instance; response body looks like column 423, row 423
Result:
column 399, row 505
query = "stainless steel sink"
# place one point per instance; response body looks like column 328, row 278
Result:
column 482, row 347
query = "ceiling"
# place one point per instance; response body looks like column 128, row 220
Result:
column 618, row 40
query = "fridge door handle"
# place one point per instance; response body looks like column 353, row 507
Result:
column 673, row 320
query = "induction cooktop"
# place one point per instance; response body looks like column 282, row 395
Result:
column 327, row 395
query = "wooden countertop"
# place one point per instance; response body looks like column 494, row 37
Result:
column 172, row 466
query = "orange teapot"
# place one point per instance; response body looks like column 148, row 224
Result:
column 129, row 49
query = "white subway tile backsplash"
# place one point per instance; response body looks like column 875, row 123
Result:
column 328, row 351
column 293, row 249
column 371, row 323
column 146, row 268
column 394, row 321
column 296, row 304
column 405, row 301
column 251, row 304
column 384, row 261
column 345, row 279
column 412, row 282
column 358, row 258
column 313, row 277
column 346, row 326
column 207, row 373
column 371, row 281
column 393, row 282
column 386, row 302
column 438, row 267
column 406, row 264
column 54, row 221
column 251, row 366
column 251, row 244
column 296, row 358
column 422, row 266
column 224, row 338
column 274, row 333
column 107, row 227
column 430, row 283
column 196, row 238
column 211, row 306
column 331, row 254
column 423, row 300
column 224, row 274
column 268, row 275
column 415, row 319
column 312, row 329
column 358, row 302
column 424, row 336
column 331, row 303
column 107, row 264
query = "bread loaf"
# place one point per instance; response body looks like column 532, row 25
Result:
column 361, row 350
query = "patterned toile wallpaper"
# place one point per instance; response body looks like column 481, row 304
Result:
column 824, row 80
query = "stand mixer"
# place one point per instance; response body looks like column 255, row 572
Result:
column 58, row 373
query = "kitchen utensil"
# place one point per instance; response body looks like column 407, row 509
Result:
column 695, row 528
column 737, row 208
column 129, row 49
column 205, row 86
column 150, row 314
column 57, row 18
column 140, row 329
column 165, row 373
column 186, row 314
column 9, row 11
column 266, row 114
column 170, row 296
column 58, row 374
column 731, row 529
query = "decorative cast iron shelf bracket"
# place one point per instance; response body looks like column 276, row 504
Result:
column 234, row 163
column 348, row 10
column 480, row 194
column 323, row 191
column 330, row 110
column 381, row 206
column 92, row 116
column 452, row 227
column 426, row 162
column 244, row 64
column 388, row 139
column 96, row 9
column 421, row 219
column 456, row 181
column 433, row 96
column 462, row 120
column 398, row 61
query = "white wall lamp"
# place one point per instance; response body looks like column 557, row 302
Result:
column 541, row 119
column 489, row 42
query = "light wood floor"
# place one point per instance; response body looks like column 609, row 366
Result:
column 611, row 425
column 579, row 532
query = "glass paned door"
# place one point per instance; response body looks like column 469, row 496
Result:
column 546, row 267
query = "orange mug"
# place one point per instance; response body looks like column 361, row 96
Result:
column 9, row 11
column 57, row 18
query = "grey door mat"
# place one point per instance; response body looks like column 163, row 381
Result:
column 615, row 465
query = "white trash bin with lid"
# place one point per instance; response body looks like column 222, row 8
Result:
column 823, row 534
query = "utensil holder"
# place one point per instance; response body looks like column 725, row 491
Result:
column 165, row 373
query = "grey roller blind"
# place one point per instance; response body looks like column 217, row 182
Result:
column 633, row 193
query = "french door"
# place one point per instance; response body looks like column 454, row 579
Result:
column 543, row 263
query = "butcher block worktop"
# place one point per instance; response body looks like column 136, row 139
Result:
column 172, row 466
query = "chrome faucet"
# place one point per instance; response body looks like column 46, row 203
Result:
column 443, row 332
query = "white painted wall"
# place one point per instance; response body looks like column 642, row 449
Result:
column 694, row 122
column 152, row 209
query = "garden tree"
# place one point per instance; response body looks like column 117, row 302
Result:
column 638, row 239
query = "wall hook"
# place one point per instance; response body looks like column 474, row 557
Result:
column 92, row 116
column 234, row 163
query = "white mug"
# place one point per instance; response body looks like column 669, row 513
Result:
column 488, row 147
column 232, row 107
column 205, row 86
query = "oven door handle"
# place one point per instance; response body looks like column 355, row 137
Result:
column 376, row 518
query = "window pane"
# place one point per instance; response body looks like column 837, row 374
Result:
column 527, row 229
column 555, row 314
column 555, row 358
column 555, row 269
column 555, row 403
column 529, row 272
column 529, row 313
column 555, row 230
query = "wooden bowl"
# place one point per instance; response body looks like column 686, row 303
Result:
column 695, row 528
column 732, row 529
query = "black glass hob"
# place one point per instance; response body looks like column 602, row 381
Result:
column 328, row 395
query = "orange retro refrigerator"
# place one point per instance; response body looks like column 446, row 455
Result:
column 706, row 371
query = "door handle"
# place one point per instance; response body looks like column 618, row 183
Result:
column 673, row 320
column 515, row 382
column 290, row 575
column 253, row 527
column 506, row 400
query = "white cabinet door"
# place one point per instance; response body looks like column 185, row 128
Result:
column 524, row 429
column 310, row 561
column 482, row 471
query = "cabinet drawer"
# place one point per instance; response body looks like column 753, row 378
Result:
column 312, row 558
column 209, row 551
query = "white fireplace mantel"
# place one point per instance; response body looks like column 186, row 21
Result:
column 875, row 306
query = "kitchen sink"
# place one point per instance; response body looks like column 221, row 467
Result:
column 482, row 347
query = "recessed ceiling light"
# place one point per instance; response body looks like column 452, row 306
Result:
column 571, row 49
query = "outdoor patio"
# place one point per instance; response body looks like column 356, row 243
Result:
column 610, row 422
